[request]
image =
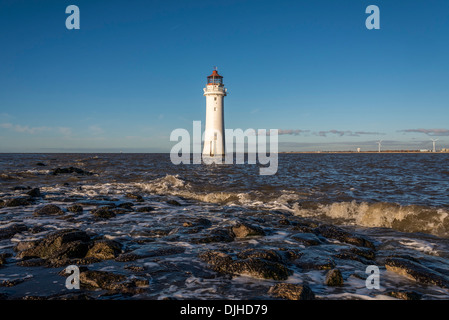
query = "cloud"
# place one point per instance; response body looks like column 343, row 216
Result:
column 296, row 132
column 429, row 132
column 24, row 129
column 96, row 130
column 346, row 133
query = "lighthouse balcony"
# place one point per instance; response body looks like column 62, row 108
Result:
column 212, row 89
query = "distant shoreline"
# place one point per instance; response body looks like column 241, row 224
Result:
column 364, row 152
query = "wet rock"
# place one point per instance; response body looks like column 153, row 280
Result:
column 315, row 261
column 243, row 229
column 104, row 250
column 216, row 235
column 145, row 209
column 260, row 268
column 219, row 261
column 405, row 295
column 21, row 188
column 416, row 271
column 40, row 164
column 49, row 210
column 136, row 197
column 292, row 291
column 103, row 212
column 269, row 255
column 34, row 262
column 126, row 205
column 148, row 252
column 11, row 282
column 17, row 202
column 69, row 243
column 35, row 192
column 174, row 203
column 11, row 230
column 25, row 245
column 308, row 239
column 111, row 281
column 366, row 253
column 334, row 278
column 333, row 232
column 71, row 170
column 75, row 208
column 3, row 257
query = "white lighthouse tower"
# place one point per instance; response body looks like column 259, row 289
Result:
column 214, row 139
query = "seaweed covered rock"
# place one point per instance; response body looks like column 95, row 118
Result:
column 49, row 210
column 252, row 266
column 93, row 279
column 292, row 291
column 71, row 170
column 243, row 229
column 104, row 250
column 68, row 243
column 334, row 278
column 9, row 231
column 416, row 271
column 333, row 232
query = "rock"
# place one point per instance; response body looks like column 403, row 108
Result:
column 100, row 279
column 417, row 272
column 49, row 210
column 136, row 197
column 11, row 282
column 260, row 268
column 104, row 250
column 34, row 262
column 68, row 243
column 216, row 235
column 405, row 295
column 16, row 202
column 3, row 257
column 334, row 278
column 40, row 164
column 11, row 230
column 308, row 239
column 253, row 266
column 21, row 188
column 75, row 208
column 71, row 170
column 145, row 209
column 35, row 192
column 219, row 261
column 292, row 291
column 242, row 230
column 269, row 255
column 148, row 252
column 173, row 203
column 315, row 261
column 103, row 212
column 333, row 232
column 126, row 205
column 25, row 245
column 111, row 281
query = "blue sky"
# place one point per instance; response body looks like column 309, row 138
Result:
column 135, row 71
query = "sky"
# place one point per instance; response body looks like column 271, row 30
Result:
column 135, row 71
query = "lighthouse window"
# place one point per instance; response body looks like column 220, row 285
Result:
column 215, row 98
column 215, row 108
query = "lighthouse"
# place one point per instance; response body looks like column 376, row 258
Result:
column 214, row 139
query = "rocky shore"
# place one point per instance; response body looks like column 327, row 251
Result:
column 149, row 246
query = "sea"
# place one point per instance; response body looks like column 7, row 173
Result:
column 400, row 201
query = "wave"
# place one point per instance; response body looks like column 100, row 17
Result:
column 410, row 218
